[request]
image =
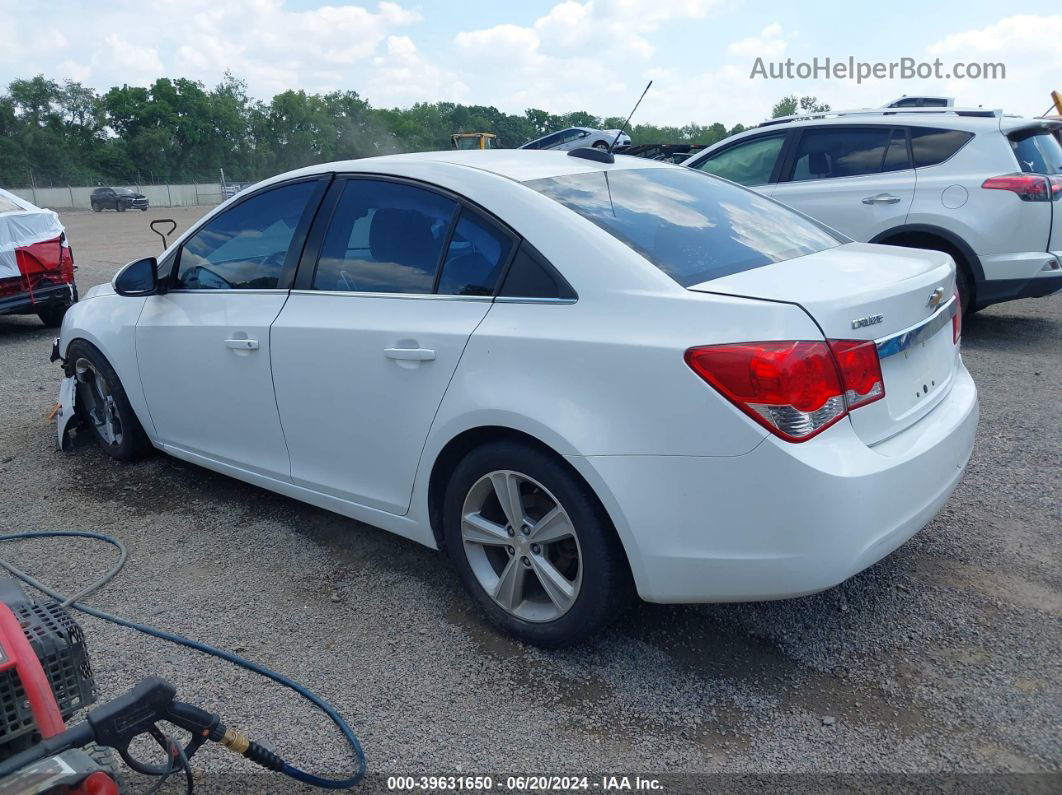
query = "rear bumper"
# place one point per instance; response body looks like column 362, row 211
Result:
column 1009, row 277
column 783, row 520
column 997, row 291
column 25, row 303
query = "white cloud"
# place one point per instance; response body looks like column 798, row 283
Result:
column 271, row 45
column 577, row 56
column 403, row 76
column 769, row 44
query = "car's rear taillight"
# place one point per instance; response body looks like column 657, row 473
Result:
column 1029, row 187
column 794, row 389
column 860, row 371
column 956, row 320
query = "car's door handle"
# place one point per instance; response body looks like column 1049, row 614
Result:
column 881, row 198
column 410, row 354
column 242, row 345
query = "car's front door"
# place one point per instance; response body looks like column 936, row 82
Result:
column 858, row 180
column 203, row 347
column 388, row 292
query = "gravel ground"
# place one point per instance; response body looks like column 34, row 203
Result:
column 946, row 657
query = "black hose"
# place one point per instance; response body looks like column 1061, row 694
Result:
column 205, row 648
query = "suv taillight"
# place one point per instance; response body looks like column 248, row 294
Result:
column 794, row 389
column 1029, row 187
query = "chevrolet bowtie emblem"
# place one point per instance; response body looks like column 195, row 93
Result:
column 936, row 298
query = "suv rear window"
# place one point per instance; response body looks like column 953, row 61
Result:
column 692, row 226
column 1038, row 153
column 931, row 146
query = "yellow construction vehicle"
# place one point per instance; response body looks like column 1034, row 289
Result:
column 479, row 140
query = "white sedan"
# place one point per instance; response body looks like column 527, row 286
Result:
column 583, row 380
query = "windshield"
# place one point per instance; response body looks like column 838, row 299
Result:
column 1038, row 154
column 123, row 191
column 692, row 226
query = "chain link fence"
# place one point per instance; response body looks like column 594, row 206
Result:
column 79, row 197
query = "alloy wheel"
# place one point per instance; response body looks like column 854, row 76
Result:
column 522, row 546
column 98, row 402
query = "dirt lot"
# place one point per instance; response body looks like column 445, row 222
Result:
column 945, row 657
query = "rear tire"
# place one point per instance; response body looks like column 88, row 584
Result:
column 96, row 207
column 570, row 583
column 965, row 287
column 102, row 404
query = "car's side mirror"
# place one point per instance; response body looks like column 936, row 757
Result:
column 140, row 277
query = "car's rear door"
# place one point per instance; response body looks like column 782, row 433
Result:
column 857, row 179
column 395, row 278
column 203, row 347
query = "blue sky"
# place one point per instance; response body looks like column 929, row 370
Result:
column 570, row 55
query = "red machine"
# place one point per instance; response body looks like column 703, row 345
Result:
column 36, row 263
column 45, row 677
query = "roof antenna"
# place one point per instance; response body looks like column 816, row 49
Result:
column 605, row 155
column 624, row 127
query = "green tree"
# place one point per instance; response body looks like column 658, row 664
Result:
column 791, row 105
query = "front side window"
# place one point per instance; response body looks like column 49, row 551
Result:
column 749, row 163
column 691, row 226
column 830, row 152
column 245, row 247
column 474, row 260
column 384, row 237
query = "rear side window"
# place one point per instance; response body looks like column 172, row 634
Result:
column 830, row 152
column 530, row 276
column 897, row 157
column 478, row 250
column 746, row 163
column 384, row 237
column 691, row 226
column 1039, row 153
column 930, row 146
column 245, row 247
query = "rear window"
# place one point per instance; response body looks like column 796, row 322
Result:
column 930, row 146
column 692, row 226
column 1039, row 153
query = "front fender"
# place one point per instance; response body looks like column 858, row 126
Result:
column 108, row 321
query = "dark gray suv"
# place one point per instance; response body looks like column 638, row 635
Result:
column 120, row 199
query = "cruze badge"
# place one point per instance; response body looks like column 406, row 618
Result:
column 936, row 298
column 870, row 320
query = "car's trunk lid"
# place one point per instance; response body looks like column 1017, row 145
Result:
column 900, row 298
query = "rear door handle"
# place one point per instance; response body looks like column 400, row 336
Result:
column 881, row 198
column 242, row 345
column 410, row 354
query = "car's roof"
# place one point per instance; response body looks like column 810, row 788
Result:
column 907, row 117
column 516, row 164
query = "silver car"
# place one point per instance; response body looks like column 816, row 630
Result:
column 574, row 137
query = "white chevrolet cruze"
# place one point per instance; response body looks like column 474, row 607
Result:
column 584, row 380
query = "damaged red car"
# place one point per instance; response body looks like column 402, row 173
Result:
column 36, row 262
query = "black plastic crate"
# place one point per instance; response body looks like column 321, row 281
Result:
column 59, row 644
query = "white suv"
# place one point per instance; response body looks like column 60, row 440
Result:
column 976, row 184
